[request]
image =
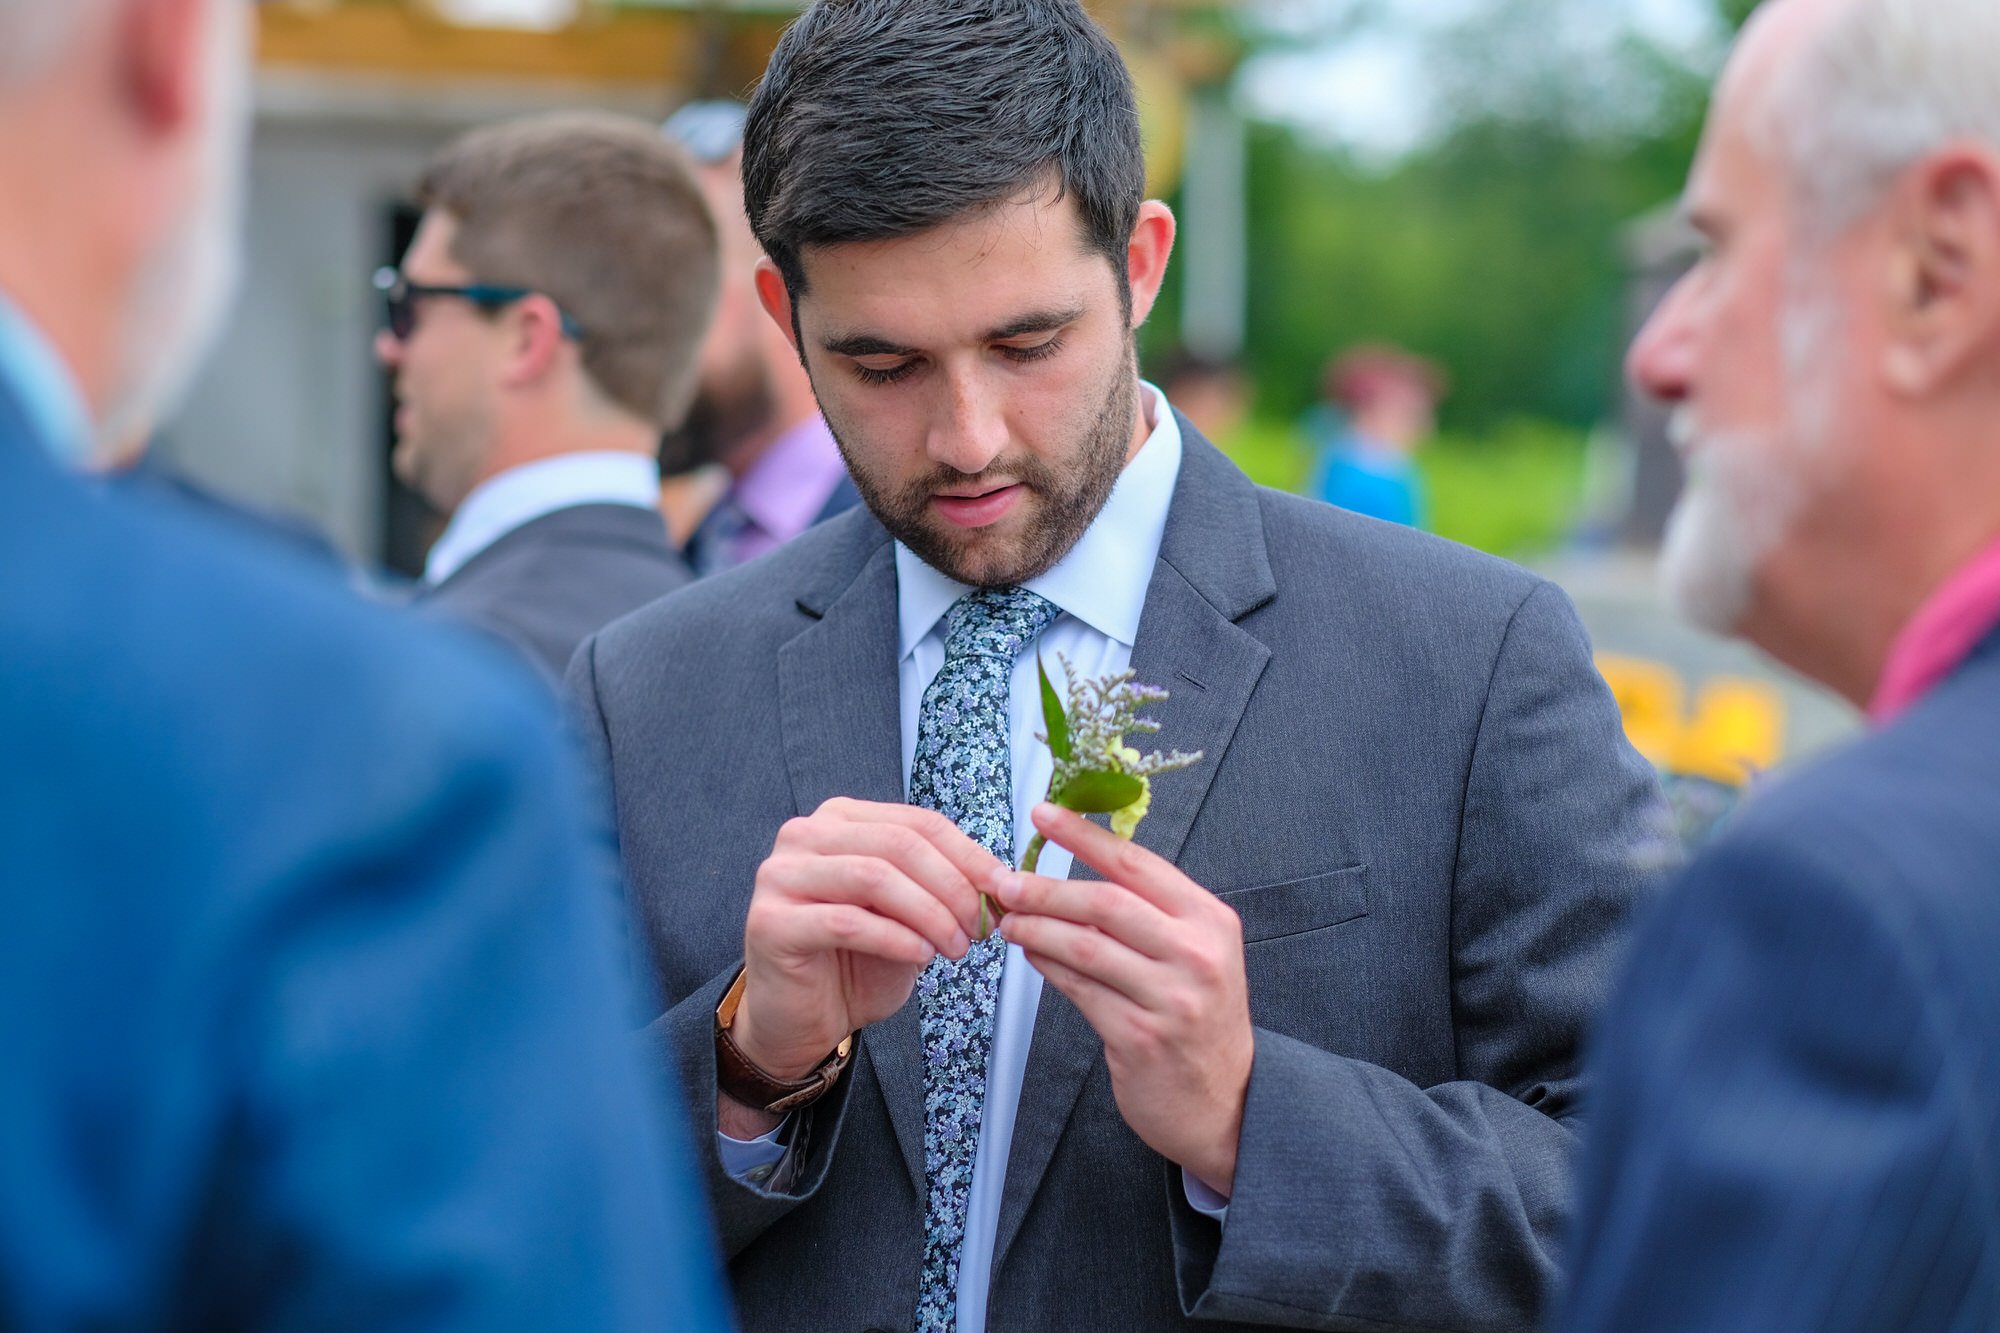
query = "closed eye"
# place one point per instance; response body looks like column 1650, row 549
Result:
column 1029, row 355
column 891, row 375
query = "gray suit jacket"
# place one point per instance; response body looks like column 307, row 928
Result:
column 1418, row 797
column 549, row 584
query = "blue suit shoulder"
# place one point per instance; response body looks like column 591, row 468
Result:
column 1799, row 1110
column 317, row 902
column 156, row 616
column 1904, row 814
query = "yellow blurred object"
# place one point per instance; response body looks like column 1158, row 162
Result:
column 1163, row 117
column 1734, row 730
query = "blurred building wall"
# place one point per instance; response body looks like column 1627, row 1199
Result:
column 353, row 96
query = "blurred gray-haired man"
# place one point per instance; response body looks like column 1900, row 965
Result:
column 1798, row 1109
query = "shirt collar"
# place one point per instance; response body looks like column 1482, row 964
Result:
column 1103, row 579
column 785, row 490
column 1940, row 636
column 523, row 494
column 42, row 384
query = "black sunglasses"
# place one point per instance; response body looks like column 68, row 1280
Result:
column 401, row 296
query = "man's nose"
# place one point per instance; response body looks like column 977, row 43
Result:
column 972, row 431
column 1661, row 361
column 388, row 349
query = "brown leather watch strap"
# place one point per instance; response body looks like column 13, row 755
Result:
column 743, row 1081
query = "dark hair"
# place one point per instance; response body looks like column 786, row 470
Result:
column 604, row 217
column 882, row 118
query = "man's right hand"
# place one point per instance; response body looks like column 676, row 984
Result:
column 853, row 902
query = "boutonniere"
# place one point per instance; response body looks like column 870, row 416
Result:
column 1096, row 772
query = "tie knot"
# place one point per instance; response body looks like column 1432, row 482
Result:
column 996, row 622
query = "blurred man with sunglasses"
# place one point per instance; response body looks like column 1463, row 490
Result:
column 543, row 331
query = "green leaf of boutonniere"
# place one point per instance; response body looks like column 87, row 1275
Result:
column 1099, row 792
column 1052, row 714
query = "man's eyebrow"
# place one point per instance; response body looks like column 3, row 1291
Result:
column 865, row 344
column 870, row 344
column 1039, row 321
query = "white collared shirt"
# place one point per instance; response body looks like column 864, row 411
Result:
column 1100, row 587
column 523, row 494
column 44, row 387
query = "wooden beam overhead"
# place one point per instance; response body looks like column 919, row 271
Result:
column 680, row 49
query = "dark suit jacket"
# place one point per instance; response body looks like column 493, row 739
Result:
column 1418, row 797
column 550, row 584
column 309, row 993
column 1798, row 1125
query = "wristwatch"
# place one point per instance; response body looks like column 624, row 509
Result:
column 743, row 1081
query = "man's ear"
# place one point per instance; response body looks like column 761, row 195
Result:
column 1944, row 271
column 163, row 61
column 536, row 343
column 1146, row 257
column 776, row 298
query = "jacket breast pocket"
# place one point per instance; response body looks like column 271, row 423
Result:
column 1278, row 911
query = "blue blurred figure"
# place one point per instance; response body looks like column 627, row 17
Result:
column 1797, row 1116
column 1378, row 406
column 310, row 996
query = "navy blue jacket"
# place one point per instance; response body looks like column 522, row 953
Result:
column 309, row 1010
column 1797, row 1116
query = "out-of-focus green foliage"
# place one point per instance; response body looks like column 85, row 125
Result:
column 1272, row 454
column 1494, row 249
column 1513, row 491
column 1737, row 12
column 1495, row 253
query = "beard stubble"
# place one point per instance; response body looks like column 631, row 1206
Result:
column 1068, row 497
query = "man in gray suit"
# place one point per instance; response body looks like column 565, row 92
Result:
column 1307, row 1052
column 543, row 330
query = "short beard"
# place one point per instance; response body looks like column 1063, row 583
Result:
column 720, row 421
column 1734, row 508
column 1070, row 501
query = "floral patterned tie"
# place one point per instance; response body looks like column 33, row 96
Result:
column 964, row 771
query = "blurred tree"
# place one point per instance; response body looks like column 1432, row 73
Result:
column 1493, row 247
column 1737, row 12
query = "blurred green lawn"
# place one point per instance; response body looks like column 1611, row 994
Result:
column 1515, row 492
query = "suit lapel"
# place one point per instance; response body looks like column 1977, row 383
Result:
column 840, row 711
column 1213, row 570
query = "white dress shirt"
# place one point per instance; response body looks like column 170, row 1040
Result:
column 1100, row 587
column 523, row 494
column 43, row 387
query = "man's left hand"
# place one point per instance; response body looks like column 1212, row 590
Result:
column 1155, row 963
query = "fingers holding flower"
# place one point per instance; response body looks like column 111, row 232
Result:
column 1155, row 964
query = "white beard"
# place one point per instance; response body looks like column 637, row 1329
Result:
column 187, row 287
column 1746, row 490
column 1738, row 505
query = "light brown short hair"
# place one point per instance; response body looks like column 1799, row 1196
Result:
column 602, row 215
